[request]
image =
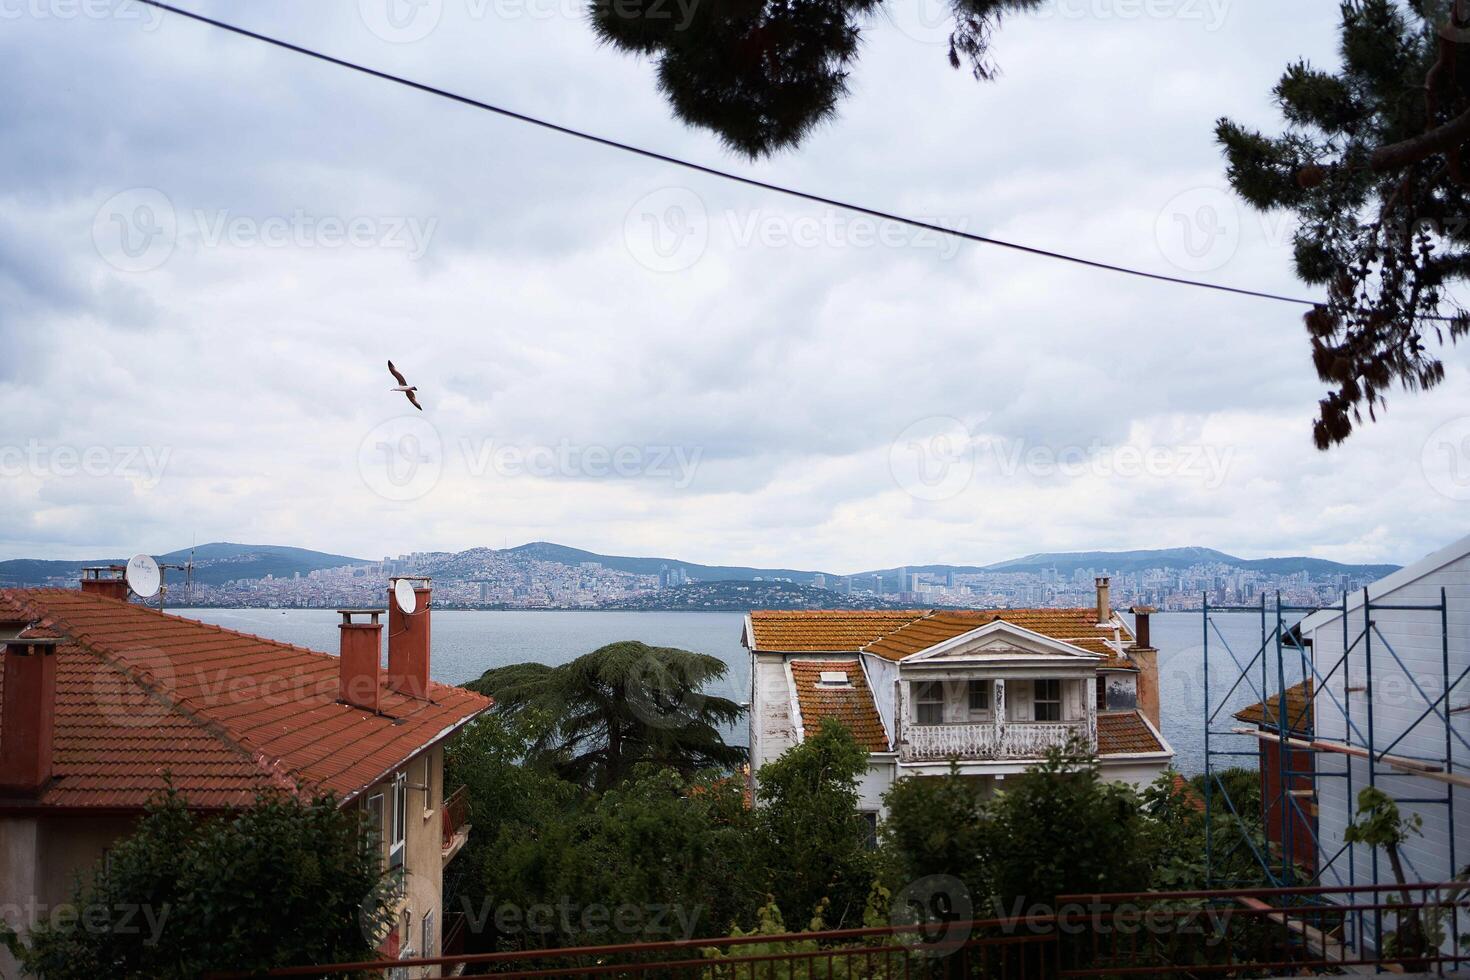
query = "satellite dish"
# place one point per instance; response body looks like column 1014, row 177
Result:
column 404, row 596
column 143, row 576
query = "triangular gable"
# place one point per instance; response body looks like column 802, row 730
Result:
column 1000, row 641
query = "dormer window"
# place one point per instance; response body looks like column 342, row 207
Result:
column 834, row 678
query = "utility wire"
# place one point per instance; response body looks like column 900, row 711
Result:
column 715, row 171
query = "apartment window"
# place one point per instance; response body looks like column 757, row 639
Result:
column 1048, row 700
column 399, row 821
column 375, row 827
column 431, row 939
column 428, row 787
column 929, row 702
column 979, row 698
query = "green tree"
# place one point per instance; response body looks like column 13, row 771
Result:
column 939, row 826
column 1371, row 164
column 284, row 882
column 1379, row 824
column 809, row 835
column 762, row 73
column 1061, row 829
column 619, row 706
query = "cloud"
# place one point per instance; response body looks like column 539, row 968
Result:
column 209, row 248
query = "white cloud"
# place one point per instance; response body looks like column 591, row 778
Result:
column 323, row 222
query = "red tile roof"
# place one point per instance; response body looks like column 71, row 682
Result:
column 900, row 634
column 824, row 630
column 141, row 694
column 1125, row 733
column 1298, row 710
column 852, row 705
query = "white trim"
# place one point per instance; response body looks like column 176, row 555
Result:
column 1062, row 647
column 795, row 702
column 1392, row 582
column 873, row 700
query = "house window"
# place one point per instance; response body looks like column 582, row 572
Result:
column 929, row 702
column 1048, row 700
column 400, row 820
column 979, row 698
column 870, row 827
column 375, row 828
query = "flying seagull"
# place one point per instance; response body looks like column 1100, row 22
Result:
column 404, row 386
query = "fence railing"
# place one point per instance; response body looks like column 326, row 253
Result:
column 1007, row 740
column 456, row 815
column 1261, row 932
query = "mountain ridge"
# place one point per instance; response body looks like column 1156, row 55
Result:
column 219, row 562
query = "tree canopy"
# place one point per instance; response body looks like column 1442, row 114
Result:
column 1371, row 164
column 281, row 883
column 620, row 705
column 762, row 73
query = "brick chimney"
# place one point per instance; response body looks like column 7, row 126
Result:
column 408, row 642
column 1104, row 601
column 1146, row 657
column 27, row 715
column 360, row 660
column 105, row 580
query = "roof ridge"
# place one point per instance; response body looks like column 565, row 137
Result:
column 928, row 614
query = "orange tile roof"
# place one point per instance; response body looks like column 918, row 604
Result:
column 895, row 635
column 1298, row 709
column 1183, row 787
column 141, row 693
column 1125, row 733
column 853, row 706
column 1077, row 627
column 824, row 630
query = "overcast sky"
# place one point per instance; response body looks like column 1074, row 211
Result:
column 209, row 248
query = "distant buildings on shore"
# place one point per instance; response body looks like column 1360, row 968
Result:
column 487, row 578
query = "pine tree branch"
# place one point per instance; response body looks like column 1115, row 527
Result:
column 1441, row 139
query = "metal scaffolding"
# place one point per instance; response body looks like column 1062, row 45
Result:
column 1283, row 662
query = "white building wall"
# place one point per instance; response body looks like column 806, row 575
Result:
column 772, row 721
column 882, row 677
column 1416, row 638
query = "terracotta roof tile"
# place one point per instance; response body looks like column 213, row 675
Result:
column 824, row 630
column 851, row 704
column 895, row 635
column 1075, row 626
column 1125, row 733
column 1298, row 709
column 141, row 693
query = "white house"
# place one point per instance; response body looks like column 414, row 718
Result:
column 991, row 690
column 1401, row 692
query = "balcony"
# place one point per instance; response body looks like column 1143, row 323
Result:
column 456, row 815
column 990, row 742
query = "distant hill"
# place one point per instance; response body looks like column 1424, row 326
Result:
column 547, row 551
column 221, row 562
column 214, row 564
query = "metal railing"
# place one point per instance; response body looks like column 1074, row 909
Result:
column 456, row 815
column 989, row 740
column 1260, row 932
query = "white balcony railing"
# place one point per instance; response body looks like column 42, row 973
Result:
column 1011, row 740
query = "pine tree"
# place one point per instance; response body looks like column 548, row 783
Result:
column 762, row 73
column 1372, row 163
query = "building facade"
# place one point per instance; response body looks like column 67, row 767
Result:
column 102, row 701
column 988, row 690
